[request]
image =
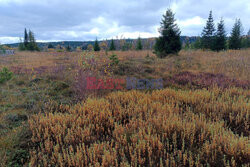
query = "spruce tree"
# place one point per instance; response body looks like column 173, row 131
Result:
column 112, row 45
column 169, row 41
column 26, row 39
column 245, row 42
column 220, row 37
column 139, row 44
column 187, row 44
column 248, row 38
column 96, row 46
column 31, row 41
column 197, row 44
column 68, row 48
column 236, row 38
column 32, row 45
column 50, row 46
column 207, row 39
column 21, row 45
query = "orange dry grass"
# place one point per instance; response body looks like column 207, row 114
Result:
column 38, row 59
column 165, row 128
column 234, row 64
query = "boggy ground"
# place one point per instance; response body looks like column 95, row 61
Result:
column 201, row 117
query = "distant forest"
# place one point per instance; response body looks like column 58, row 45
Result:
column 147, row 43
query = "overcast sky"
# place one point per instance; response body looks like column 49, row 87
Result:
column 81, row 20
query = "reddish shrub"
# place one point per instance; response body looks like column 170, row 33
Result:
column 205, row 80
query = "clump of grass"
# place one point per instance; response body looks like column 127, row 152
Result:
column 5, row 75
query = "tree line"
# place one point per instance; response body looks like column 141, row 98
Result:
column 217, row 40
column 169, row 41
column 106, row 45
column 211, row 38
column 112, row 47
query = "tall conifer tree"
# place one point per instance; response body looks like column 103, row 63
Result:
column 139, row 44
column 169, row 42
column 96, row 46
column 26, row 38
column 236, row 35
column 32, row 45
column 220, row 38
column 207, row 39
column 112, row 45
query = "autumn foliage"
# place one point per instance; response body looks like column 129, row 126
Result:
column 200, row 118
column 162, row 128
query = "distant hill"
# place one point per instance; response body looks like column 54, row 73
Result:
column 84, row 44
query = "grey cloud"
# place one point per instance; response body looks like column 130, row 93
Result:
column 85, row 20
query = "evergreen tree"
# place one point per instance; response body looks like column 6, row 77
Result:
column 84, row 47
column 187, row 44
column 207, row 39
column 26, row 39
column 96, row 46
column 126, row 46
column 50, row 46
column 2, row 49
column 246, row 40
column 112, row 45
column 31, row 41
column 169, row 42
column 139, row 44
column 21, row 46
column 68, row 48
column 236, row 38
column 32, row 46
column 196, row 44
column 220, row 38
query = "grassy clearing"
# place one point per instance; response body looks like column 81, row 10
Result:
column 231, row 63
column 200, row 118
